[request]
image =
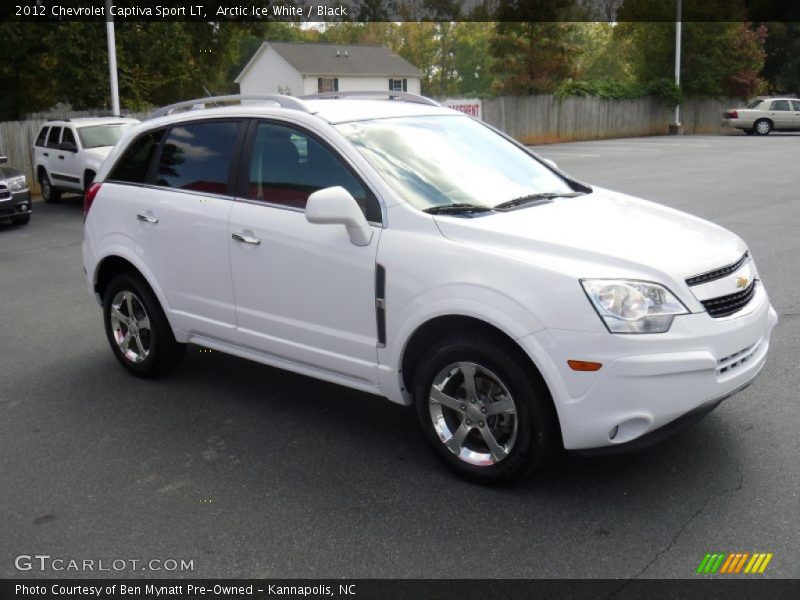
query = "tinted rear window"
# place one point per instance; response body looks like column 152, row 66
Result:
column 197, row 156
column 132, row 165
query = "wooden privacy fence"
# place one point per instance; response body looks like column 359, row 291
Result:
column 531, row 119
column 546, row 119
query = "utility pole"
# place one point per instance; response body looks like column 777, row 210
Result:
column 676, row 128
column 112, row 59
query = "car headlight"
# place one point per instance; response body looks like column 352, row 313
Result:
column 633, row 306
column 18, row 183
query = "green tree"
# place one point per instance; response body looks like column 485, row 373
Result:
column 782, row 61
column 533, row 57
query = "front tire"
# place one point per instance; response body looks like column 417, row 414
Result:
column 49, row 193
column 762, row 127
column 484, row 408
column 137, row 329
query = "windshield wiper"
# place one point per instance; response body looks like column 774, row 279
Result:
column 531, row 199
column 456, row 208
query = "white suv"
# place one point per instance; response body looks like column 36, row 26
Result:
column 410, row 251
column 67, row 154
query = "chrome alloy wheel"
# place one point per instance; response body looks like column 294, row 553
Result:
column 130, row 324
column 763, row 127
column 473, row 413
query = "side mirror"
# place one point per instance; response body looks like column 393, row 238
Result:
column 67, row 147
column 3, row 159
column 550, row 162
column 336, row 205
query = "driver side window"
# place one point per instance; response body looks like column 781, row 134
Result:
column 287, row 166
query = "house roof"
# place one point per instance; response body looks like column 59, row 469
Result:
column 338, row 59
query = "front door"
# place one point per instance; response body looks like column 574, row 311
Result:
column 796, row 110
column 781, row 114
column 304, row 292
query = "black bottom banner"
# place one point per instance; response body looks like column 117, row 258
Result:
column 391, row 589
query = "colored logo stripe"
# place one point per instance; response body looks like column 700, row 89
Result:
column 734, row 562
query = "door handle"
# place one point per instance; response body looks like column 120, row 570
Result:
column 46, row 154
column 245, row 239
column 147, row 218
column 61, row 156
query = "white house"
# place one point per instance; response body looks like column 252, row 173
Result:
column 300, row 69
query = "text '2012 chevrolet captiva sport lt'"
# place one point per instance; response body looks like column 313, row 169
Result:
column 409, row 251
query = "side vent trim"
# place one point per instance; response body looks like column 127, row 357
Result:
column 380, row 304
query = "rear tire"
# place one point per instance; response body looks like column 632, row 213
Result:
column 137, row 329
column 21, row 219
column 49, row 193
column 762, row 127
column 497, row 428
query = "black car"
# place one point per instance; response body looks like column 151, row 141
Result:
column 15, row 197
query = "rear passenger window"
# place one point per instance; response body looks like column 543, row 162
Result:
column 40, row 141
column 197, row 157
column 796, row 105
column 133, row 164
column 286, row 167
column 52, row 139
column 780, row 105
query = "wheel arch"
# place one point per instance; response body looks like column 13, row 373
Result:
column 437, row 328
column 114, row 264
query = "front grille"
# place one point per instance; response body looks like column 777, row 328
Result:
column 717, row 273
column 4, row 193
column 727, row 305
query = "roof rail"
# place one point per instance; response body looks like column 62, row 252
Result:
column 186, row 105
column 389, row 95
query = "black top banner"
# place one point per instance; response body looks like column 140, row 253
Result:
column 309, row 11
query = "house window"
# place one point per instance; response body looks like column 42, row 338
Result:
column 327, row 84
column 398, row 85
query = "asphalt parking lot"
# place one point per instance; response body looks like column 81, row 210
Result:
column 253, row 472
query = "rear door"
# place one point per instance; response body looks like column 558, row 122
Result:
column 182, row 224
column 50, row 153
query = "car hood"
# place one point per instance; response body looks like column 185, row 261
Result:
column 101, row 153
column 7, row 172
column 612, row 229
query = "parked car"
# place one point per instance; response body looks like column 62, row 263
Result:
column 410, row 251
column 765, row 115
column 15, row 197
column 68, row 153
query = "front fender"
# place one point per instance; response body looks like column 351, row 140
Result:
column 467, row 300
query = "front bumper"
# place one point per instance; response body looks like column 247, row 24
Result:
column 650, row 380
column 19, row 203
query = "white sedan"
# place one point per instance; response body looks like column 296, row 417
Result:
column 765, row 115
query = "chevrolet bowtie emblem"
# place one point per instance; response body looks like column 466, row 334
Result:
column 741, row 282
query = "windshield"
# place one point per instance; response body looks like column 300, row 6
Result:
column 95, row 136
column 754, row 104
column 444, row 160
